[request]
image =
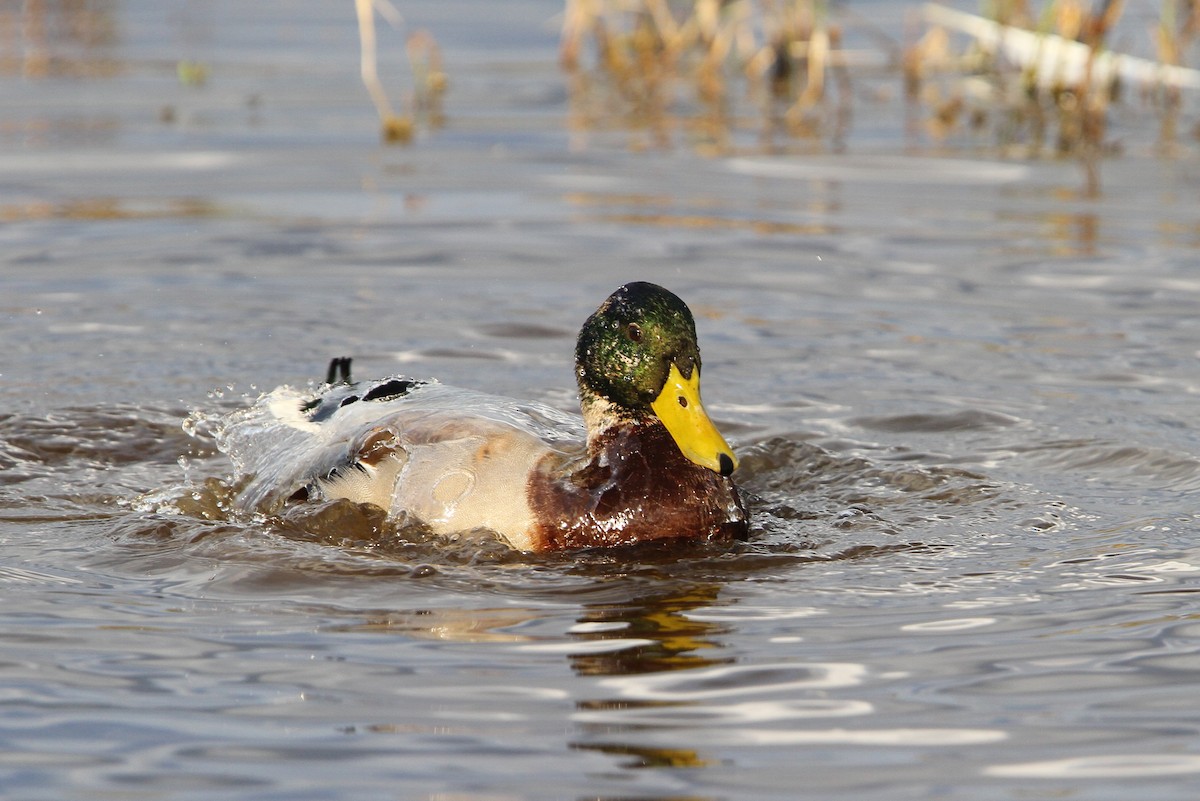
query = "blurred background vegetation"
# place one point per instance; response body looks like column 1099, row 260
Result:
column 1018, row 79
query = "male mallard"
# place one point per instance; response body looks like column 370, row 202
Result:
column 653, row 465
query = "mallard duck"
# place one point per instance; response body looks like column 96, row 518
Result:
column 651, row 466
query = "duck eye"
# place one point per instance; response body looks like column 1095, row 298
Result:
column 634, row 332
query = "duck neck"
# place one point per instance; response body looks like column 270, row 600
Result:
column 604, row 419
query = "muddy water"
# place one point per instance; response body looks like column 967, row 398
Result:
column 963, row 399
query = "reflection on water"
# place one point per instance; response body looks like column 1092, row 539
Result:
column 710, row 705
column 107, row 208
column 670, row 640
column 651, row 701
column 1116, row 766
column 59, row 38
column 456, row 625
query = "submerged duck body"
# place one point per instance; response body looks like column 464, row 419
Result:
column 646, row 464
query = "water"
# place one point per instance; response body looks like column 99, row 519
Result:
column 963, row 399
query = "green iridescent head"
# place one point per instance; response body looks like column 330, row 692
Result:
column 638, row 352
column 626, row 348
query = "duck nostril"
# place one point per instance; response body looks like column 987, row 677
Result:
column 683, row 401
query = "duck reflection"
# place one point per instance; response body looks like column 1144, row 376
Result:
column 663, row 637
column 667, row 639
column 477, row 625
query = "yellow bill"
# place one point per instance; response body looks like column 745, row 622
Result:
column 679, row 408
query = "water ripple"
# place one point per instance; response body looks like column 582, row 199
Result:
column 958, row 624
column 741, row 614
column 1113, row 766
column 576, row 647
column 733, row 680
column 725, row 714
column 905, row 737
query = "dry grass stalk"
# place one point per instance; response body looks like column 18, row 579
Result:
column 426, row 61
column 657, row 62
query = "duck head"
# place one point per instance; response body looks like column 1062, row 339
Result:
column 637, row 362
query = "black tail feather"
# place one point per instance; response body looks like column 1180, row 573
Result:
column 339, row 370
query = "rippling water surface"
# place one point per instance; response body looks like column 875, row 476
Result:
column 963, row 398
